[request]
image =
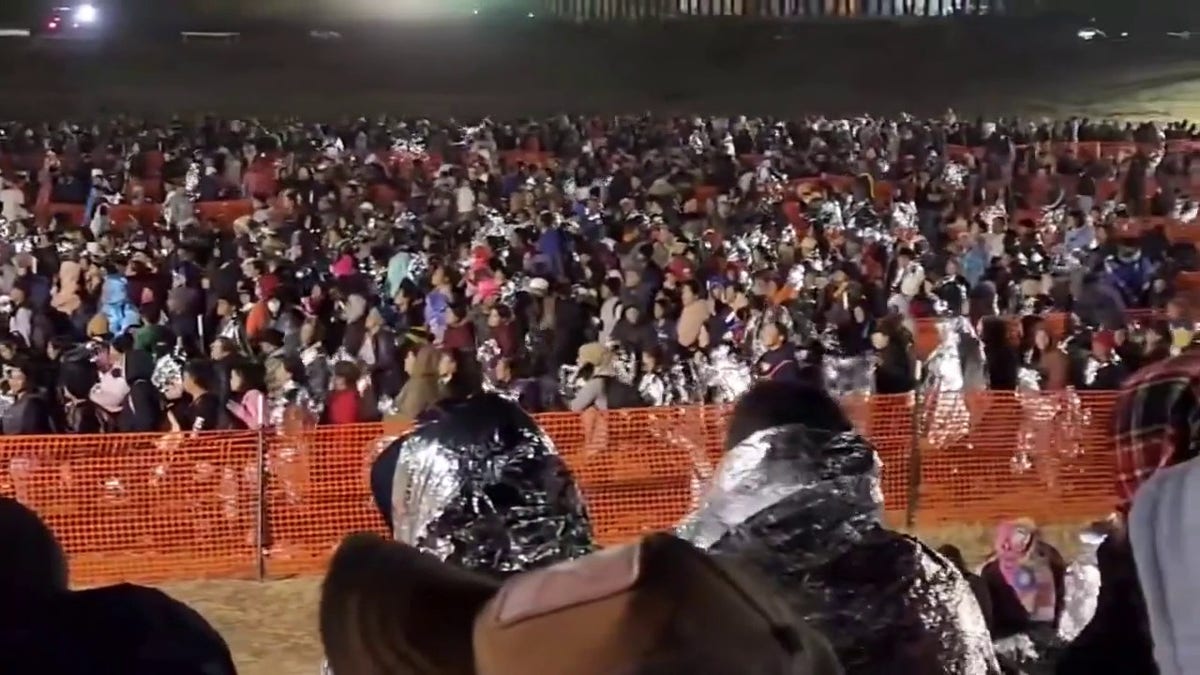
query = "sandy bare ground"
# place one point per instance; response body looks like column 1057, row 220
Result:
column 272, row 626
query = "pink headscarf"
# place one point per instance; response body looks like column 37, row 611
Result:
column 1025, row 568
column 343, row 267
column 486, row 288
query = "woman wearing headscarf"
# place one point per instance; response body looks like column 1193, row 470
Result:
column 1025, row 581
column 421, row 391
column 798, row 497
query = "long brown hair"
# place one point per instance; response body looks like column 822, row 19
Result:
column 389, row 609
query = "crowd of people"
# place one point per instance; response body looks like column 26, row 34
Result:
column 784, row 567
column 569, row 263
column 463, row 276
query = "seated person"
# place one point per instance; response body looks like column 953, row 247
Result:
column 797, row 497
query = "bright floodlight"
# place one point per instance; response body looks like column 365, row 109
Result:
column 85, row 13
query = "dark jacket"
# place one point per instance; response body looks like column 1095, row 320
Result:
column 894, row 373
column 1009, row 616
column 29, row 415
column 505, row 500
column 886, row 602
column 142, row 410
column 1117, row 639
column 779, row 365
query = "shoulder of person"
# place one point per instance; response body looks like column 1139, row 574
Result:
column 169, row 631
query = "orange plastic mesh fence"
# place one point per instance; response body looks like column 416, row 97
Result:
column 151, row 508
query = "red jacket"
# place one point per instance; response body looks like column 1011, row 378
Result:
column 460, row 337
column 342, row 407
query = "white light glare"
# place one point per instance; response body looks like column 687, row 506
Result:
column 85, row 14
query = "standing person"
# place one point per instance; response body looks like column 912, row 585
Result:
column 142, row 407
column 204, row 413
column 30, row 413
column 778, row 363
column 421, row 391
column 342, row 405
column 693, row 316
column 1152, row 419
column 894, row 373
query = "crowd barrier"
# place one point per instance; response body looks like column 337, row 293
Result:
column 154, row 508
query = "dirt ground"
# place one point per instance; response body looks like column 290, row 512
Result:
column 463, row 72
column 272, row 626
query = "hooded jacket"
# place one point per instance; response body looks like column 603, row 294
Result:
column 116, row 306
column 482, row 487
column 804, row 507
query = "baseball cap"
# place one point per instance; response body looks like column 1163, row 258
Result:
column 643, row 608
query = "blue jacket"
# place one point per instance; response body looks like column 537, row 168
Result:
column 552, row 247
column 117, row 308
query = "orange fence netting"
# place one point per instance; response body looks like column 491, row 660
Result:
column 153, row 508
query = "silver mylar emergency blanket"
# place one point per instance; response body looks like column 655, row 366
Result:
column 849, row 375
column 803, row 507
column 953, row 369
column 1082, row 588
column 482, row 486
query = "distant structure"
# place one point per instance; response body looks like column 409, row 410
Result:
column 640, row 10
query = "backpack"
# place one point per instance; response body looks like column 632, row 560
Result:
column 620, row 395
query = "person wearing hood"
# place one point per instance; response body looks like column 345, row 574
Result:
column 47, row 628
column 798, row 497
column 1025, row 579
column 482, row 487
column 116, row 305
column 142, row 407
